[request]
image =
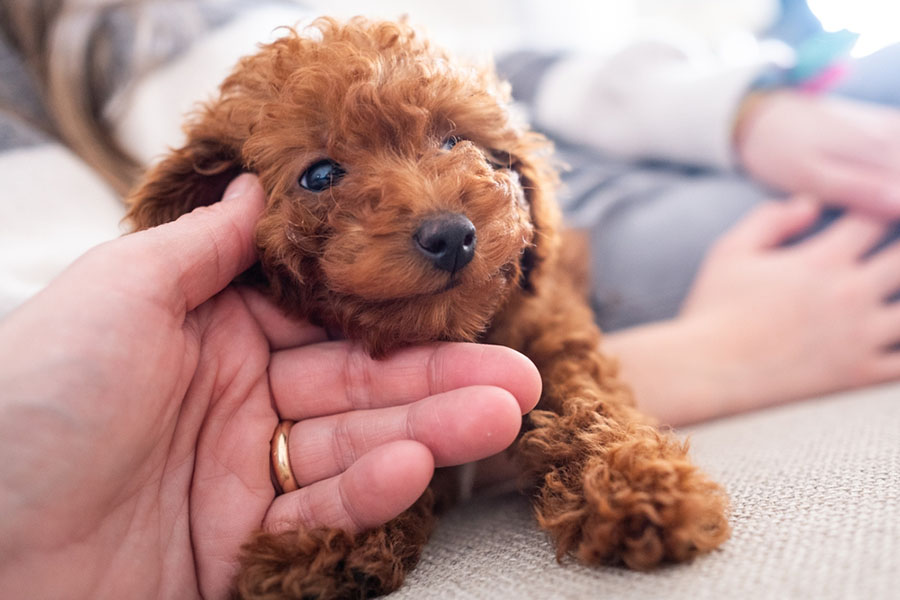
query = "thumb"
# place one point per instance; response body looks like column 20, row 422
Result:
column 771, row 224
column 201, row 252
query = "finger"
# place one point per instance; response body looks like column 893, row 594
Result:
column 196, row 256
column 374, row 490
column 887, row 326
column 279, row 329
column 859, row 187
column 848, row 238
column 870, row 134
column 339, row 377
column 771, row 224
column 457, row 427
column 881, row 271
column 886, row 367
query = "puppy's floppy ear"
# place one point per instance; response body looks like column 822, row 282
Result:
column 194, row 175
column 197, row 174
column 532, row 161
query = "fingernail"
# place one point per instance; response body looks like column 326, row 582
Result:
column 239, row 186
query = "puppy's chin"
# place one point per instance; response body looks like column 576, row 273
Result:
column 411, row 290
column 460, row 312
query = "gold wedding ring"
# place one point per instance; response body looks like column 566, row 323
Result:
column 282, row 474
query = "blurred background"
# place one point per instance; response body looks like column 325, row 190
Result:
column 475, row 25
column 117, row 93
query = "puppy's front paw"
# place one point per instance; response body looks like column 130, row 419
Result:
column 638, row 500
column 320, row 564
column 316, row 564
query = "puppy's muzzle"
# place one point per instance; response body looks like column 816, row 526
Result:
column 447, row 240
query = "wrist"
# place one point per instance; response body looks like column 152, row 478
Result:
column 669, row 384
column 673, row 370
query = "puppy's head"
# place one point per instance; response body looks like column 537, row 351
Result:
column 404, row 205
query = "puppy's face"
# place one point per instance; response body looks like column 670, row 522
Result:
column 401, row 199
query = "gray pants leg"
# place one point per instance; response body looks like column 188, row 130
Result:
column 649, row 227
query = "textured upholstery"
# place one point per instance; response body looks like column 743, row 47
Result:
column 815, row 491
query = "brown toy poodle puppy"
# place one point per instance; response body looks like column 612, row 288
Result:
column 405, row 205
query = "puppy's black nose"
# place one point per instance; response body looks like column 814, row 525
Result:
column 447, row 240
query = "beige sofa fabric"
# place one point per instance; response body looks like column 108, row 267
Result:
column 815, row 489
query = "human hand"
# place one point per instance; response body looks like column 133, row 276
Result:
column 766, row 324
column 804, row 319
column 844, row 151
column 139, row 400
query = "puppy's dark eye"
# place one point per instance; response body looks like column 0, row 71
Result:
column 450, row 142
column 322, row 175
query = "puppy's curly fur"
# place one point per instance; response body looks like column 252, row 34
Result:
column 409, row 136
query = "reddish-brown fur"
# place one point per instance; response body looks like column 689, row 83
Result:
column 374, row 97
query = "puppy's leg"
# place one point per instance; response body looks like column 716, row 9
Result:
column 610, row 486
column 329, row 563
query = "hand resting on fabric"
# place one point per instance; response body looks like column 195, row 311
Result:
column 767, row 323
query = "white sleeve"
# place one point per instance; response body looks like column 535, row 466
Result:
column 146, row 117
column 652, row 100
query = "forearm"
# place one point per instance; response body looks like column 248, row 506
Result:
column 675, row 371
